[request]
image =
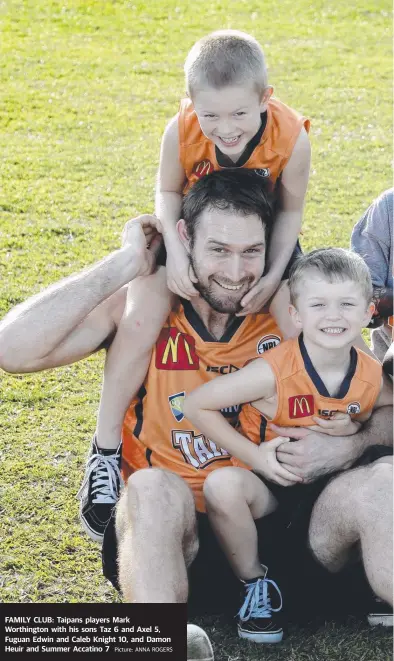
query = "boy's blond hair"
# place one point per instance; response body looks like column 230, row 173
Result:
column 334, row 264
column 225, row 57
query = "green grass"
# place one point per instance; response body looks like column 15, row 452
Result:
column 87, row 88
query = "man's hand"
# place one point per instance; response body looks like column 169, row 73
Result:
column 142, row 236
column 180, row 274
column 258, row 296
column 315, row 454
column 340, row 424
column 269, row 466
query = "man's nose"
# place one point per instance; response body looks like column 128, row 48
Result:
column 235, row 270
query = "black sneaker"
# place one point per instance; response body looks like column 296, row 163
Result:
column 382, row 614
column 100, row 488
column 257, row 619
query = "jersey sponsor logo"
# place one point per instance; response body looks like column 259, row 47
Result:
column 354, row 407
column 267, row 342
column 176, row 405
column 203, row 168
column 222, row 369
column 176, row 351
column 263, row 172
column 301, row 406
column 327, row 413
column 197, row 450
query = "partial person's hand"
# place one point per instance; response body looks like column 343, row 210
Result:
column 180, row 274
column 269, row 466
column 314, row 453
column 340, row 424
column 142, row 236
column 258, row 296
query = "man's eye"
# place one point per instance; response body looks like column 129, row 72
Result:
column 252, row 251
column 220, row 250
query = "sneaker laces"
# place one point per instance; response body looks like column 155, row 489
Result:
column 257, row 601
column 106, row 478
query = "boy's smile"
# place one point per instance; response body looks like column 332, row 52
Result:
column 230, row 116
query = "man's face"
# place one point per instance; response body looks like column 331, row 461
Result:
column 228, row 257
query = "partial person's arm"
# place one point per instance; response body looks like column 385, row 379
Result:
column 288, row 221
column 202, row 407
column 287, row 224
column 170, row 181
column 74, row 317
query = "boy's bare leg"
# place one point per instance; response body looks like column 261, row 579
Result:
column 147, row 307
column 235, row 497
column 157, row 537
column 356, row 507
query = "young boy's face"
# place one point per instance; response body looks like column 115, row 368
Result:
column 331, row 314
column 230, row 116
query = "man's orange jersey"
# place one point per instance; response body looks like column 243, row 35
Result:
column 199, row 156
column 301, row 393
column 155, row 431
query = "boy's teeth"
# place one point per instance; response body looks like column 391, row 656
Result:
column 230, row 140
column 333, row 330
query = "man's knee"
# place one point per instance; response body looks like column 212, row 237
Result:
column 347, row 506
column 161, row 491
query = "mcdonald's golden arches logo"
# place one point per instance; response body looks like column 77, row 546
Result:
column 176, row 351
column 203, row 168
column 301, row 406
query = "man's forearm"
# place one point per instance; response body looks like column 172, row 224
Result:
column 378, row 430
column 36, row 327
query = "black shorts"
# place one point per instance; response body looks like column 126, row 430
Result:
column 307, row 588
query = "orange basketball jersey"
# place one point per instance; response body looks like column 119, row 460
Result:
column 197, row 153
column 301, row 393
column 155, row 431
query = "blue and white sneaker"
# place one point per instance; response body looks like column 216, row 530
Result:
column 257, row 619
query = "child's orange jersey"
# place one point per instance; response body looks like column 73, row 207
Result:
column 301, row 393
column 155, row 432
column 198, row 154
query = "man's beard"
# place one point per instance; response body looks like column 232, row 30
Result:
column 225, row 304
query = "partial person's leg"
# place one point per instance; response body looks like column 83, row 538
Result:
column 157, row 538
column 234, row 498
column 356, row 507
column 146, row 309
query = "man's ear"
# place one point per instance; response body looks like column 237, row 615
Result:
column 295, row 317
column 183, row 235
column 265, row 97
